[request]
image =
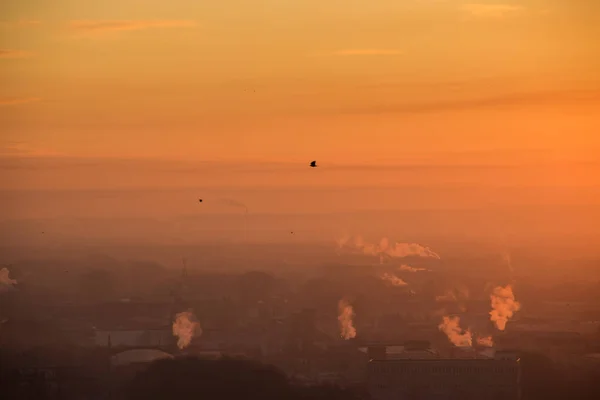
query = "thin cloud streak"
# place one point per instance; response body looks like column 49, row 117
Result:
column 18, row 100
column 10, row 53
column 479, row 10
column 367, row 52
column 506, row 100
column 20, row 23
column 104, row 26
column 12, row 150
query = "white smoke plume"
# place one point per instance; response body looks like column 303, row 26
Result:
column 185, row 327
column 457, row 336
column 504, row 306
column 508, row 261
column 383, row 249
column 486, row 341
column 342, row 241
column 392, row 279
column 458, row 295
column 408, row 268
column 345, row 318
column 6, row 283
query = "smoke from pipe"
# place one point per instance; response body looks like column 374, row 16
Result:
column 459, row 295
column 185, row 327
column 504, row 306
column 392, row 279
column 342, row 241
column 398, row 250
column 456, row 335
column 486, row 341
column 408, row 268
column 345, row 317
column 6, row 283
column 508, row 261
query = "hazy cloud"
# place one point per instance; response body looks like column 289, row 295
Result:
column 504, row 100
column 479, row 10
column 105, row 26
column 367, row 52
column 12, row 149
column 10, row 53
column 20, row 23
column 9, row 101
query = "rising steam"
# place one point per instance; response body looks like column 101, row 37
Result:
column 485, row 341
column 456, row 335
column 392, row 279
column 346, row 314
column 408, row 268
column 6, row 283
column 459, row 295
column 185, row 327
column 342, row 241
column 504, row 306
column 384, row 249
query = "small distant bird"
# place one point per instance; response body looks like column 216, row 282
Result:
column 313, row 164
column 200, row 200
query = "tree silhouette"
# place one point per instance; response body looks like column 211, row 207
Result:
column 223, row 379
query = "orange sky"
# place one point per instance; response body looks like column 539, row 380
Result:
column 347, row 82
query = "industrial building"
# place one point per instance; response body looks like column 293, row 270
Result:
column 411, row 377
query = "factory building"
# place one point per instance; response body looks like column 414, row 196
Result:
column 400, row 378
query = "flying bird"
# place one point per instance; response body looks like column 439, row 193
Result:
column 313, row 164
column 200, row 200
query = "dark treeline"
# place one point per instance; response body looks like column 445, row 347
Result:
column 230, row 378
column 223, row 380
column 187, row 377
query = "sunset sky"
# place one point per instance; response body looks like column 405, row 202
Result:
column 349, row 82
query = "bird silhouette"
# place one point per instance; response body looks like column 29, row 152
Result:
column 313, row 164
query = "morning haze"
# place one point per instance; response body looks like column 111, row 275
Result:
column 164, row 235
